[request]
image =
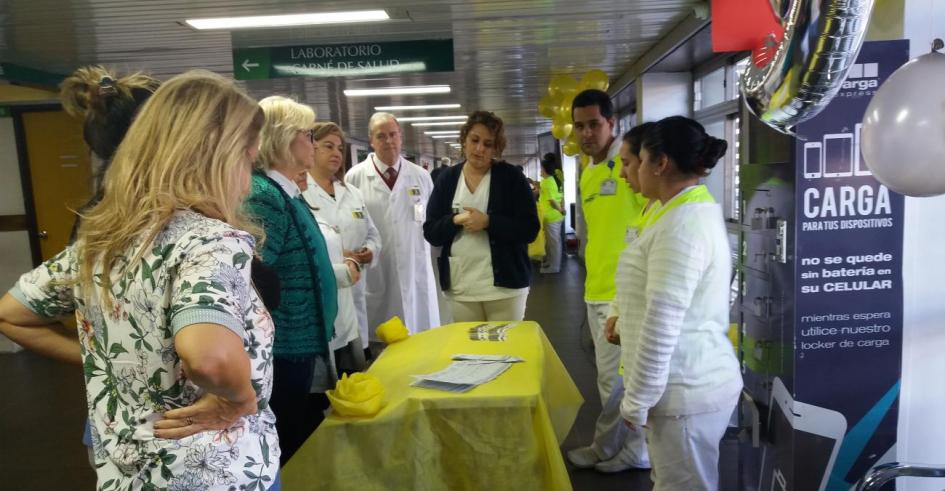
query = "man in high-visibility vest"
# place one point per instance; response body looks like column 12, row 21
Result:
column 609, row 208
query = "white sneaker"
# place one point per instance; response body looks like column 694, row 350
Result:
column 615, row 465
column 583, row 457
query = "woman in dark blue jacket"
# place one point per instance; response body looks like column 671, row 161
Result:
column 482, row 213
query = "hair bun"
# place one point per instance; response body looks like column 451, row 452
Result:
column 712, row 151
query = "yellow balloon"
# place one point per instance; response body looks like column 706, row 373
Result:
column 571, row 148
column 573, row 137
column 547, row 106
column 560, row 84
column 595, row 79
column 563, row 107
column 561, row 130
column 567, row 98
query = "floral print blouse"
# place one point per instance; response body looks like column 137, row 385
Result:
column 197, row 270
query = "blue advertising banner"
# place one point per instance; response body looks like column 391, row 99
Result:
column 848, row 290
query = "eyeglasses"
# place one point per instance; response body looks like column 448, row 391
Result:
column 310, row 134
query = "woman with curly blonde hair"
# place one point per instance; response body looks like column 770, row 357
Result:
column 173, row 339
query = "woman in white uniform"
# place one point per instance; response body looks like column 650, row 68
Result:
column 681, row 376
column 482, row 213
column 341, row 208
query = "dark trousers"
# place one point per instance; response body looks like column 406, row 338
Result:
column 297, row 412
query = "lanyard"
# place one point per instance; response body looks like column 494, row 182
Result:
column 695, row 194
column 610, row 165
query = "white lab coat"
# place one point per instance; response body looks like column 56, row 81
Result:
column 347, row 215
column 346, row 322
column 401, row 281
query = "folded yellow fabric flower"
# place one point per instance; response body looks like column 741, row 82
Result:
column 360, row 395
column 393, row 330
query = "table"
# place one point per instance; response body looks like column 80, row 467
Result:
column 501, row 435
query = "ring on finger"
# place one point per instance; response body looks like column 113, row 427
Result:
column 190, row 421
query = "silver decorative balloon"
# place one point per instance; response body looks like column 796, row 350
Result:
column 903, row 138
column 795, row 79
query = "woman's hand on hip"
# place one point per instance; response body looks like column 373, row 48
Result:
column 210, row 412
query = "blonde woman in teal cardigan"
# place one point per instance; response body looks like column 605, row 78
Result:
column 295, row 248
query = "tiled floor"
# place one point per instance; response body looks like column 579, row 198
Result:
column 43, row 404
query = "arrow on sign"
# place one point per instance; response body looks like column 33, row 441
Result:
column 247, row 65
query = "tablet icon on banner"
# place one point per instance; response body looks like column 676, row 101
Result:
column 837, row 155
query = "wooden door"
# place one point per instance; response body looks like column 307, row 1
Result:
column 60, row 174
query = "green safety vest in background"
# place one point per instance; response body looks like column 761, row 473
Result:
column 549, row 192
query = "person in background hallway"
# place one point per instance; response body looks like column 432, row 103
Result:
column 681, row 376
column 159, row 281
column 340, row 211
column 296, row 249
column 552, row 205
column 395, row 193
column 609, row 207
column 483, row 216
column 106, row 104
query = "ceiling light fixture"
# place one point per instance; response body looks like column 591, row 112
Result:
column 440, row 123
column 432, row 118
column 443, row 136
column 412, row 108
column 288, row 20
column 422, row 89
column 444, row 132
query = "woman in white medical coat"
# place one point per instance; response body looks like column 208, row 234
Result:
column 395, row 193
column 341, row 208
column 348, row 355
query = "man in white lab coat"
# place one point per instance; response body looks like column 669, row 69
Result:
column 395, row 193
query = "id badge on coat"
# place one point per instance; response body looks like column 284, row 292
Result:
column 419, row 212
column 357, row 213
column 608, row 187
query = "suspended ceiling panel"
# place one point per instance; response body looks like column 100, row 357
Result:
column 505, row 51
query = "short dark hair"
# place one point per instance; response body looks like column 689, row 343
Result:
column 634, row 137
column 686, row 143
column 594, row 97
column 549, row 162
column 489, row 120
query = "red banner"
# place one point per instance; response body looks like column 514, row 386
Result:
column 743, row 25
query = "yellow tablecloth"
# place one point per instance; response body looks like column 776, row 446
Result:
column 501, row 435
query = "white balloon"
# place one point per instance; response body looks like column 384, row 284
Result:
column 903, row 135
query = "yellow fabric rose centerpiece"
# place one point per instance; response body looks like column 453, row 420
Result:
column 360, row 395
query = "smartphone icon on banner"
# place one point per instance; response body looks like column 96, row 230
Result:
column 859, row 166
column 813, row 160
column 838, row 155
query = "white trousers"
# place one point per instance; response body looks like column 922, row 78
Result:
column 685, row 449
column 552, row 262
column 612, row 438
column 506, row 309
